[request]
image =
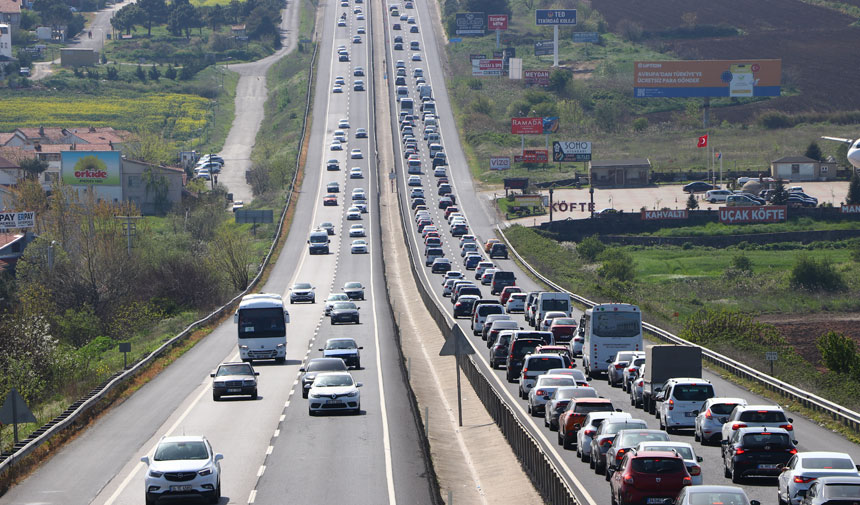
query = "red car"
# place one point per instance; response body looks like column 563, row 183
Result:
column 573, row 416
column 440, row 181
column 507, row 292
column 330, row 200
column 563, row 328
column 647, row 476
column 450, row 210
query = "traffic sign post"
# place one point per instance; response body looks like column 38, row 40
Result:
column 457, row 345
column 14, row 411
column 125, row 348
column 771, row 356
column 555, row 18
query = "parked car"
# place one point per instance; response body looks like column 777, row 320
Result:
column 698, row 187
column 717, row 195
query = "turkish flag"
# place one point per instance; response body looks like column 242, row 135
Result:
column 703, row 141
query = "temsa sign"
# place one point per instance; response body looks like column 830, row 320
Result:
column 650, row 215
column 769, row 214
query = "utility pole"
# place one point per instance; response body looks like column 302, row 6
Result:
column 129, row 228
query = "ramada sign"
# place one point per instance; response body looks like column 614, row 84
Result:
column 527, row 125
column 650, row 215
column 768, row 214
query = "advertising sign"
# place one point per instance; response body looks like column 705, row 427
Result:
column 473, row 57
column 544, row 48
column 850, row 209
column 471, row 23
column 563, row 17
column 592, row 37
column 539, row 77
column 564, row 206
column 516, row 182
column 653, row 215
column 763, row 214
column 497, row 21
column 17, row 220
column 550, row 125
column 528, row 200
column 571, row 151
column 90, row 168
column 487, row 67
column 533, row 156
column 500, row 163
column 527, row 125
column 733, row 78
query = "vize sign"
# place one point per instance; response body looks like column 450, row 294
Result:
column 497, row 21
column 544, row 17
column 763, row 214
column 500, row 163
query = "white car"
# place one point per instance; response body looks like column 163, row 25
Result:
column 805, row 467
column 356, row 154
column 359, row 247
column 548, row 317
column 336, row 145
column 175, row 460
column 355, row 173
column 717, row 195
column 516, row 303
column 416, row 193
column 749, row 416
column 334, row 391
column 681, row 400
column 414, row 180
column 353, row 214
column 453, row 274
column 439, row 171
column 416, row 56
column 685, row 450
column 544, row 387
column 337, row 89
column 361, row 30
column 467, row 248
column 343, row 123
column 357, row 230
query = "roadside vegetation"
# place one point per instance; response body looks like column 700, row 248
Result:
column 795, row 224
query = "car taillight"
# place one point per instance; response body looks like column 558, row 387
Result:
column 525, row 370
column 511, row 356
column 786, row 427
column 628, row 479
column 687, row 481
column 619, row 366
column 607, row 442
column 792, row 451
column 708, row 414
column 540, row 392
column 803, row 480
column 695, row 470
column 671, row 404
column 631, row 370
column 739, row 450
column 738, row 426
column 620, row 454
column 588, row 433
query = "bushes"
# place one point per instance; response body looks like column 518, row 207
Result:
column 590, row 248
column 814, row 275
column 839, row 353
column 617, row 265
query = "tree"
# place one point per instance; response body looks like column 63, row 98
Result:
column 232, row 256
column 149, row 147
column 182, row 17
column 813, row 152
column 127, row 18
column 33, row 167
column 692, row 203
column 853, row 197
column 152, row 11
column 54, row 12
column 780, row 195
column 262, row 23
column 170, row 73
column 154, row 74
column 140, row 73
column 640, row 124
column 215, row 17
column 558, row 79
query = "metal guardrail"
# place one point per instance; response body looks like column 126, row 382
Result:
column 838, row 413
column 78, row 408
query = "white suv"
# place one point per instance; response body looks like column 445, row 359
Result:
column 745, row 416
column 681, row 400
column 183, row 466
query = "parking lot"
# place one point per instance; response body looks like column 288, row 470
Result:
column 573, row 203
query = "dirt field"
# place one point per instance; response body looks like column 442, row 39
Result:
column 811, row 41
column 803, row 330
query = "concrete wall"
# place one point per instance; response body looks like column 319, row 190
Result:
column 77, row 57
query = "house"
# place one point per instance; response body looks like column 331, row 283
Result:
column 620, row 173
column 154, row 189
column 10, row 172
column 801, row 168
column 12, row 247
column 238, row 31
column 40, row 135
column 97, row 135
column 10, row 13
column 5, row 42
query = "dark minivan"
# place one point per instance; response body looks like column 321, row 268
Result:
column 501, row 280
column 517, row 353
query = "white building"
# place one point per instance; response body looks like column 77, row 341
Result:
column 5, row 42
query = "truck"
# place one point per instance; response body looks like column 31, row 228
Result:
column 262, row 319
column 664, row 362
column 425, row 90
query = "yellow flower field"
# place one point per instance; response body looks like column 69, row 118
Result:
column 178, row 115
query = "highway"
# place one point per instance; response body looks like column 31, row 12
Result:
column 589, row 487
column 273, row 450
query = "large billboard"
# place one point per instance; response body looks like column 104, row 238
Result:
column 471, row 23
column 532, row 156
column 534, row 125
column 90, row 168
column 487, row 67
column 571, row 151
column 544, row 47
column 688, row 78
column 555, row 17
column 763, row 214
column 539, row 77
column 497, row 21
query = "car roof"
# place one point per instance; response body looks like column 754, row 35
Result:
column 761, row 429
column 182, row 438
column 340, row 338
column 689, row 380
column 592, row 400
column 823, row 454
column 726, row 399
column 759, row 407
column 656, row 454
column 848, row 479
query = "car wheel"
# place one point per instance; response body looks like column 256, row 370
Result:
column 598, row 468
column 545, row 422
column 311, row 412
column 736, row 478
column 254, row 395
column 559, row 438
column 586, row 457
column 726, row 472
column 529, row 409
column 662, row 426
column 779, row 499
column 632, row 400
column 291, row 301
column 696, row 436
column 578, row 451
column 216, row 496
column 591, row 462
column 304, row 393
column 358, row 364
column 607, row 475
column 151, row 501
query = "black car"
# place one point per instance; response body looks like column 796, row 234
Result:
column 698, row 187
column 463, row 307
column 499, row 251
column 445, row 202
column 354, row 290
column 398, row 46
column 398, row 38
column 234, row 379
column 400, row 81
column 517, row 354
column 343, row 57
column 344, row 312
column 418, row 201
column 317, row 365
column 757, row 451
column 395, row 26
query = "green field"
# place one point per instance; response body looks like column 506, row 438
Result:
column 163, row 47
column 710, row 229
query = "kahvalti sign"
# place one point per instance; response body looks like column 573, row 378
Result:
column 688, row 78
column 763, row 214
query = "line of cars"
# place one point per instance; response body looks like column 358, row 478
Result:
column 796, row 197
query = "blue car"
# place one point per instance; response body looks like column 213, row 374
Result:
column 472, row 261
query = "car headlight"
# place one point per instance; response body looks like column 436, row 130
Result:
column 352, row 394
column 314, row 395
column 250, row 382
column 281, row 345
column 204, row 472
column 156, row 474
column 243, row 347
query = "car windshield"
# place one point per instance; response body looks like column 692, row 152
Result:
column 302, row 285
column 713, row 498
column 555, row 304
column 237, row 369
column 344, row 306
column 333, row 380
column 723, row 409
column 657, row 465
column 585, row 408
column 693, row 392
column 842, row 490
column 336, row 297
column 834, row 463
column 574, row 392
column 172, row 451
column 684, row 451
column 322, row 365
column 340, row 344
column 485, row 310
column 616, row 427
column 261, row 322
column 766, row 440
column 617, row 324
column 563, row 320
column 352, row 285
column 561, row 381
column 544, row 364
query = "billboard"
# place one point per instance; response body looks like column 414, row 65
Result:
column 850, row 209
column 653, row 215
column 497, row 21
column 534, row 125
column 539, row 77
column 689, row 78
column 500, row 163
column 592, row 37
column 516, row 182
column 533, row 156
column 768, row 214
column 473, row 57
column 528, row 200
column 487, row 67
column 544, row 48
column 550, row 125
column 90, row 168
column 563, row 17
column 571, row 151
column 10, row 220
column 471, row 23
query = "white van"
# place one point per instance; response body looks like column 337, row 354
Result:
column 681, row 400
column 413, row 166
column 406, row 105
column 551, row 302
column 481, row 313
column 318, row 242
column 434, row 148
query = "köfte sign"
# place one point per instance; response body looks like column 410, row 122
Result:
column 471, row 23
column 17, row 220
column 500, row 163
column 533, row 156
column 497, row 21
column 527, row 125
column 653, row 215
column 555, row 17
column 564, row 206
column 571, row 151
column 539, row 77
column 768, row 214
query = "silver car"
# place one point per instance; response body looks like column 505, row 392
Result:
column 615, row 371
column 709, row 421
column 730, row 495
column 805, row 467
column 631, row 372
column 543, row 389
column 558, row 401
column 589, row 428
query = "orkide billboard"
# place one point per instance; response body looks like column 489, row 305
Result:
column 762, row 214
column 688, row 78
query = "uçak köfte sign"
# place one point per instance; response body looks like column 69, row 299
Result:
column 763, row 214
column 654, row 215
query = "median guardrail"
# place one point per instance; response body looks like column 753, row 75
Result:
column 83, row 405
column 838, row 413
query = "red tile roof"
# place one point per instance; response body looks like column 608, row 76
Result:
column 58, row 148
column 52, row 133
column 5, row 137
column 10, row 6
column 7, row 164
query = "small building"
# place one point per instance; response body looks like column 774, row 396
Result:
column 801, row 168
column 10, row 172
column 238, row 30
column 152, row 188
column 12, row 247
column 620, row 173
column 10, row 13
column 5, row 42
column 78, row 57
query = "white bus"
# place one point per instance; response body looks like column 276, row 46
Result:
column 607, row 329
column 262, row 320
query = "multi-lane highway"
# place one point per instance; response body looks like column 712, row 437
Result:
column 273, row 450
column 589, row 487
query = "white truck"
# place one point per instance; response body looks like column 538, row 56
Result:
column 666, row 362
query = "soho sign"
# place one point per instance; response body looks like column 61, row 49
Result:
column 563, row 206
column 769, row 214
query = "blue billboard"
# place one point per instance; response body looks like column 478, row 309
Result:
column 592, row 37
column 564, row 17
